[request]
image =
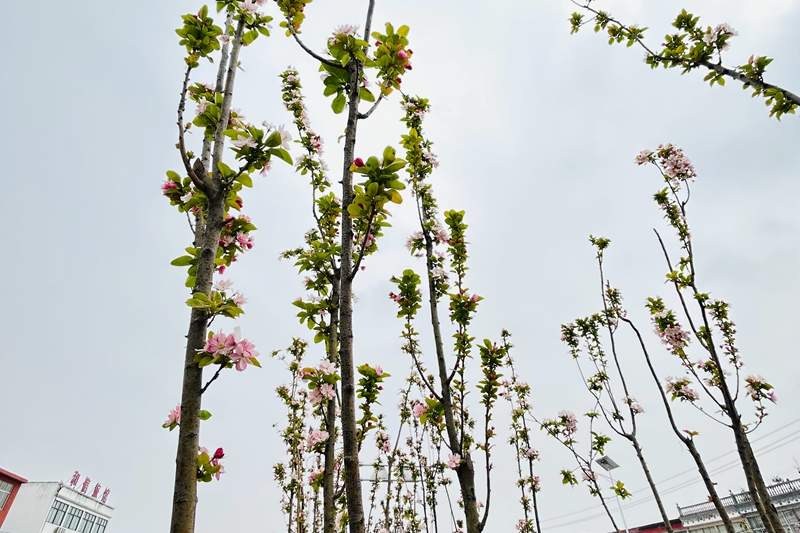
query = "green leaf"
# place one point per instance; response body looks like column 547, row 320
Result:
column 249, row 37
column 366, row 95
column 282, row 154
column 205, row 415
column 184, row 260
column 245, row 180
column 338, row 103
column 402, row 31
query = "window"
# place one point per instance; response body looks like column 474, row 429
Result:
column 5, row 492
column 57, row 512
column 101, row 525
column 72, row 518
column 87, row 523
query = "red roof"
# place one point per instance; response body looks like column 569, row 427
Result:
column 6, row 473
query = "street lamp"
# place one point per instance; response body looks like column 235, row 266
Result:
column 608, row 465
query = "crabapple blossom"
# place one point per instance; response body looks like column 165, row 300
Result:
column 174, row 416
column 420, row 409
column 244, row 140
column 326, row 367
column 679, row 388
column 243, row 353
column 323, row 392
column 453, row 461
column 223, row 285
column 220, row 344
column 315, row 437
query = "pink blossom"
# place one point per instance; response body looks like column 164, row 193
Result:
column 203, row 104
column 238, row 299
column 324, row 391
column 402, row 54
column 420, row 409
column 285, row 137
column 358, row 162
column 174, row 416
column 570, row 423
column 249, row 6
column 222, row 285
column 167, row 186
column 244, row 140
column 679, row 388
column 315, row 437
column 326, row 367
column 345, row 29
column 382, row 441
column 453, row 461
column 379, row 370
column 643, row 157
column 588, row 475
column 245, row 240
column 220, row 344
column 244, row 351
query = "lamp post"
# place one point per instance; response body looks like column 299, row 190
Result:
column 608, row 465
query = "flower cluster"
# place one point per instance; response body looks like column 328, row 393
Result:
column 173, row 418
column 311, row 161
column 453, row 461
column 316, row 437
column 635, row 407
column 676, row 167
column 680, row 388
column 228, row 350
column 718, row 37
column 668, row 329
column 758, row 389
column 321, row 382
column 209, row 466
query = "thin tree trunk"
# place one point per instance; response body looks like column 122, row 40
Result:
column 328, row 503
column 465, row 470
column 688, row 442
column 352, row 481
column 184, row 501
column 652, row 484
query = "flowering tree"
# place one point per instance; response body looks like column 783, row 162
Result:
column 564, row 429
column 346, row 231
column 517, row 393
column 207, row 194
column 619, row 412
column 693, row 47
column 718, row 373
column 446, row 408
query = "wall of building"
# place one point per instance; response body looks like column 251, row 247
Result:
column 30, row 507
column 15, row 481
column 35, row 500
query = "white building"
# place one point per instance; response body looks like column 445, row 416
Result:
column 53, row 507
column 785, row 496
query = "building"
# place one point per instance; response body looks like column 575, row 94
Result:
column 703, row 517
column 9, row 486
column 52, row 507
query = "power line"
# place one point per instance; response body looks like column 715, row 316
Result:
column 681, row 486
column 723, row 468
column 675, row 475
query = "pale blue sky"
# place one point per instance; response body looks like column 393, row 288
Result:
column 536, row 132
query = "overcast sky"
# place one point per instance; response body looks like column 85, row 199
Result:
column 536, row 132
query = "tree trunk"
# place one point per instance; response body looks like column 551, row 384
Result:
column 352, row 477
column 652, row 484
column 328, row 503
column 184, row 503
column 466, row 470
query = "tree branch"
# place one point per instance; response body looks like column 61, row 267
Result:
column 308, row 50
